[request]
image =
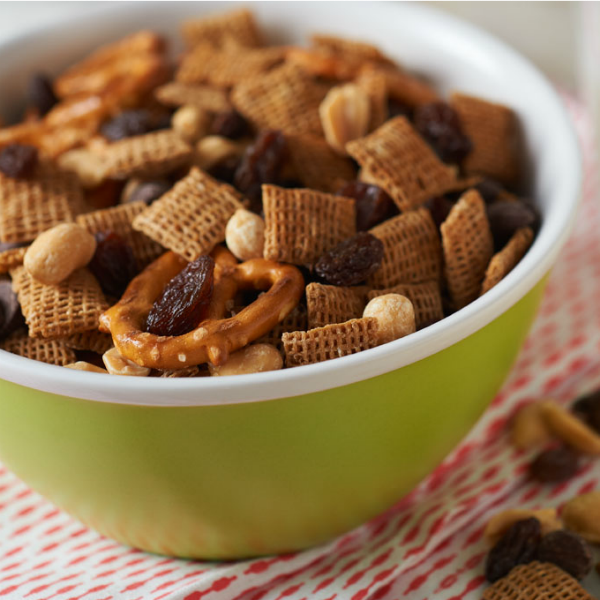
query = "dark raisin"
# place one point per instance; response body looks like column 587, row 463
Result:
column 230, row 124
column 555, row 464
column 11, row 317
column 127, row 124
column 161, row 121
column 568, row 551
column 291, row 183
column 352, row 261
column 398, row 109
column 225, row 170
column 439, row 207
column 440, row 125
column 261, row 163
column 40, row 93
column 149, row 191
column 518, row 546
column 373, row 205
column 489, row 189
column 18, row 160
column 184, row 302
column 506, row 217
column 587, row 408
column 113, row 263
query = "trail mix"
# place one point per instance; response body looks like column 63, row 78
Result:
column 249, row 207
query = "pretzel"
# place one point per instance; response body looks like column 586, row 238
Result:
column 215, row 337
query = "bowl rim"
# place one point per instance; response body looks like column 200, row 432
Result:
column 364, row 365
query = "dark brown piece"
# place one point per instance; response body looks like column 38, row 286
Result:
column 518, row 546
column 439, row 207
column 18, row 160
column 351, row 261
column 10, row 310
column 506, row 217
column 113, row 263
column 398, row 109
column 230, row 124
column 40, row 94
column 587, row 408
column 568, row 551
column 373, row 205
column 489, row 190
column 554, row 465
column 149, row 191
column 128, row 124
column 184, row 302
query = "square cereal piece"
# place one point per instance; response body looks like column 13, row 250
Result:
column 330, row 304
column 286, row 98
column 373, row 83
column 55, row 311
column 506, row 260
column 295, row 321
column 411, row 250
column 301, row 224
column 536, row 581
column 239, row 25
column 330, row 341
column 177, row 373
column 190, row 218
column 12, row 258
column 493, row 132
column 398, row 159
column 150, row 155
column 349, row 48
column 426, row 299
column 316, row 165
column 228, row 67
column 468, row 248
column 203, row 96
column 53, row 352
column 31, row 206
column 120, row 220
column 93, row 341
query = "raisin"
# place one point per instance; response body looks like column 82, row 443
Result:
column 18, row 160
column 185, row 300
column 291, row 183
column 352, row 261
column 398, row 109
column 11, row 317
column 225, row 170
column 518, row 546
column 149, row 191
column 587, row 408
column 40, row 93
column 373, row 205
column 439, row 207
column 506, row 217
column 261, row 163
column 555, row 464
column 230, row 124
column 113, row 263
column 489, row 189
column 127, row 124
column 568, row 551
column 440, row 125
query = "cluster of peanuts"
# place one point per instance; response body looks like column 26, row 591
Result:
column 255, row 147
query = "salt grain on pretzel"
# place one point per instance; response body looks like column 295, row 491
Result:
column 468, row 248
column 330, row 304
column 400, row 161
column 53, row 352
column 209, row 98
column 191, row 218
column 302, row 224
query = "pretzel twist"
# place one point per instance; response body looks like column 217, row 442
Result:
column 216, row 336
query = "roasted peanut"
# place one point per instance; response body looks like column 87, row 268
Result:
column 395, row 316
column 118, row 365
column 570, row 429
column 251, row 359
column 191, row 123
column 56, row 253
column 245, row 234
column 529, row 428
column 212, row 149
column 582, row 516
column 499, row 523
column 82, row 365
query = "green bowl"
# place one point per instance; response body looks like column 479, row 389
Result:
column 221, row 468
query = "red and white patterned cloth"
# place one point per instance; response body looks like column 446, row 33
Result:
column 428, row 546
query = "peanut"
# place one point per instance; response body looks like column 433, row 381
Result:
column 245, row 234
column 118, row 365
column 582, row 516
column 213, row 149
column 529, row 428
column 395, row 316
column 345, row 113
column 251, row 359
column 56, row 253
column 570, row 429
column 82, row 365
column 191, row 123
column 499, row 523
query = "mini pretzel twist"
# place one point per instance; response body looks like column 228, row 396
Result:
column 216, row 336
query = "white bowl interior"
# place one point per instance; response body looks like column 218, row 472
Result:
column 452, row 54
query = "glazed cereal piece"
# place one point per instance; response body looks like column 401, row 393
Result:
column 180, row 373
column 286, row 98
column 493, row 132
column 425, row 297
column 330, row 304
column 398, row 160
column 239, row 25
column 191, row 218
column 302, row 224
column 412, row 252
column 349, row 48
column 330, row 341
column 91, row 341
column 395, row 316
column 11, row 258
column 119, row 219
column 256, row 358
column 53, row 311
column 53, row 352
column 209, row 98
column 468, row 248
column 507, row 259
column 373, row 83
